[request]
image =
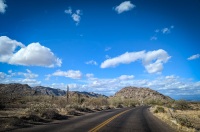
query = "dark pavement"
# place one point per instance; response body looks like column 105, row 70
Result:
column 137, row 119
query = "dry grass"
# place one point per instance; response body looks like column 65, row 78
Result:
column 29, row 110
column 181, row 120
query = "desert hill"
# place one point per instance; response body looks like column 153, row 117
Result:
column 141, row 94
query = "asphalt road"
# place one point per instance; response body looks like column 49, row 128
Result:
column 137, row 119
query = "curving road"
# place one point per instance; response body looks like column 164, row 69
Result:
column 137, row 119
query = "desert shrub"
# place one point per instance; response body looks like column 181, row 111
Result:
column 60, row 102
column 119, row 106
column 184, row 122
column 50, row 114
column 129, row 103
column 181, row 105
column 115, row 101
column 159, row 109
column 97, row 102
column 39, row 108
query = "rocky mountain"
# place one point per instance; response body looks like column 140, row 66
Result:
column 49, row 91
column 15, row 89
column 141, row 94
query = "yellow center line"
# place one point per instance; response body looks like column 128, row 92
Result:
column 95, row 129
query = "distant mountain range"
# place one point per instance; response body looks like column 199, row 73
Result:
column 140, row 94
column 16, row 89
column 49, row 91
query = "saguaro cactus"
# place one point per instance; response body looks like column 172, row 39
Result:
column 67, row 94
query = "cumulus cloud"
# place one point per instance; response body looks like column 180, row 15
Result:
column 169, row 85
column 2, row 75
column 76, row 16
column 7, row 48
column 193, row 57
column 32, row 55
column 153, row 60
column 35, row 55
column 124, row 6
column 20, row 77
column 70, row 74
column 28, row 74
column 2, row 6
column 91, row 62
column 31, row 82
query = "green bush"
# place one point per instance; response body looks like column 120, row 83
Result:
column 159, row 109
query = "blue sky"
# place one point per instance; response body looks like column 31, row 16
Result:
column 102, row 46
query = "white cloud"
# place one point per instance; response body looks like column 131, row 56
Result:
column 32, row 55
column 35, row 55
column 72, row 86
column 31, row 82
column 153, row 60
column 125, row 58
column 124, row 6
column 193, row 57
column 19, row 77
column 165, row 30
column 91, row 62
column 7, row 48
column 89, row 75
column 27, row 75
column 70, row 74
column 10, row 71
column 29, row 71
column 2, row 6
column 76, row 16
column 68, row 11
column 2, row 75
column 170, row 85
column 126, row 77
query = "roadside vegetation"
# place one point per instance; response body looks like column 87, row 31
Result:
column 24, row 111
column 182, row 115
column 21, row 111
